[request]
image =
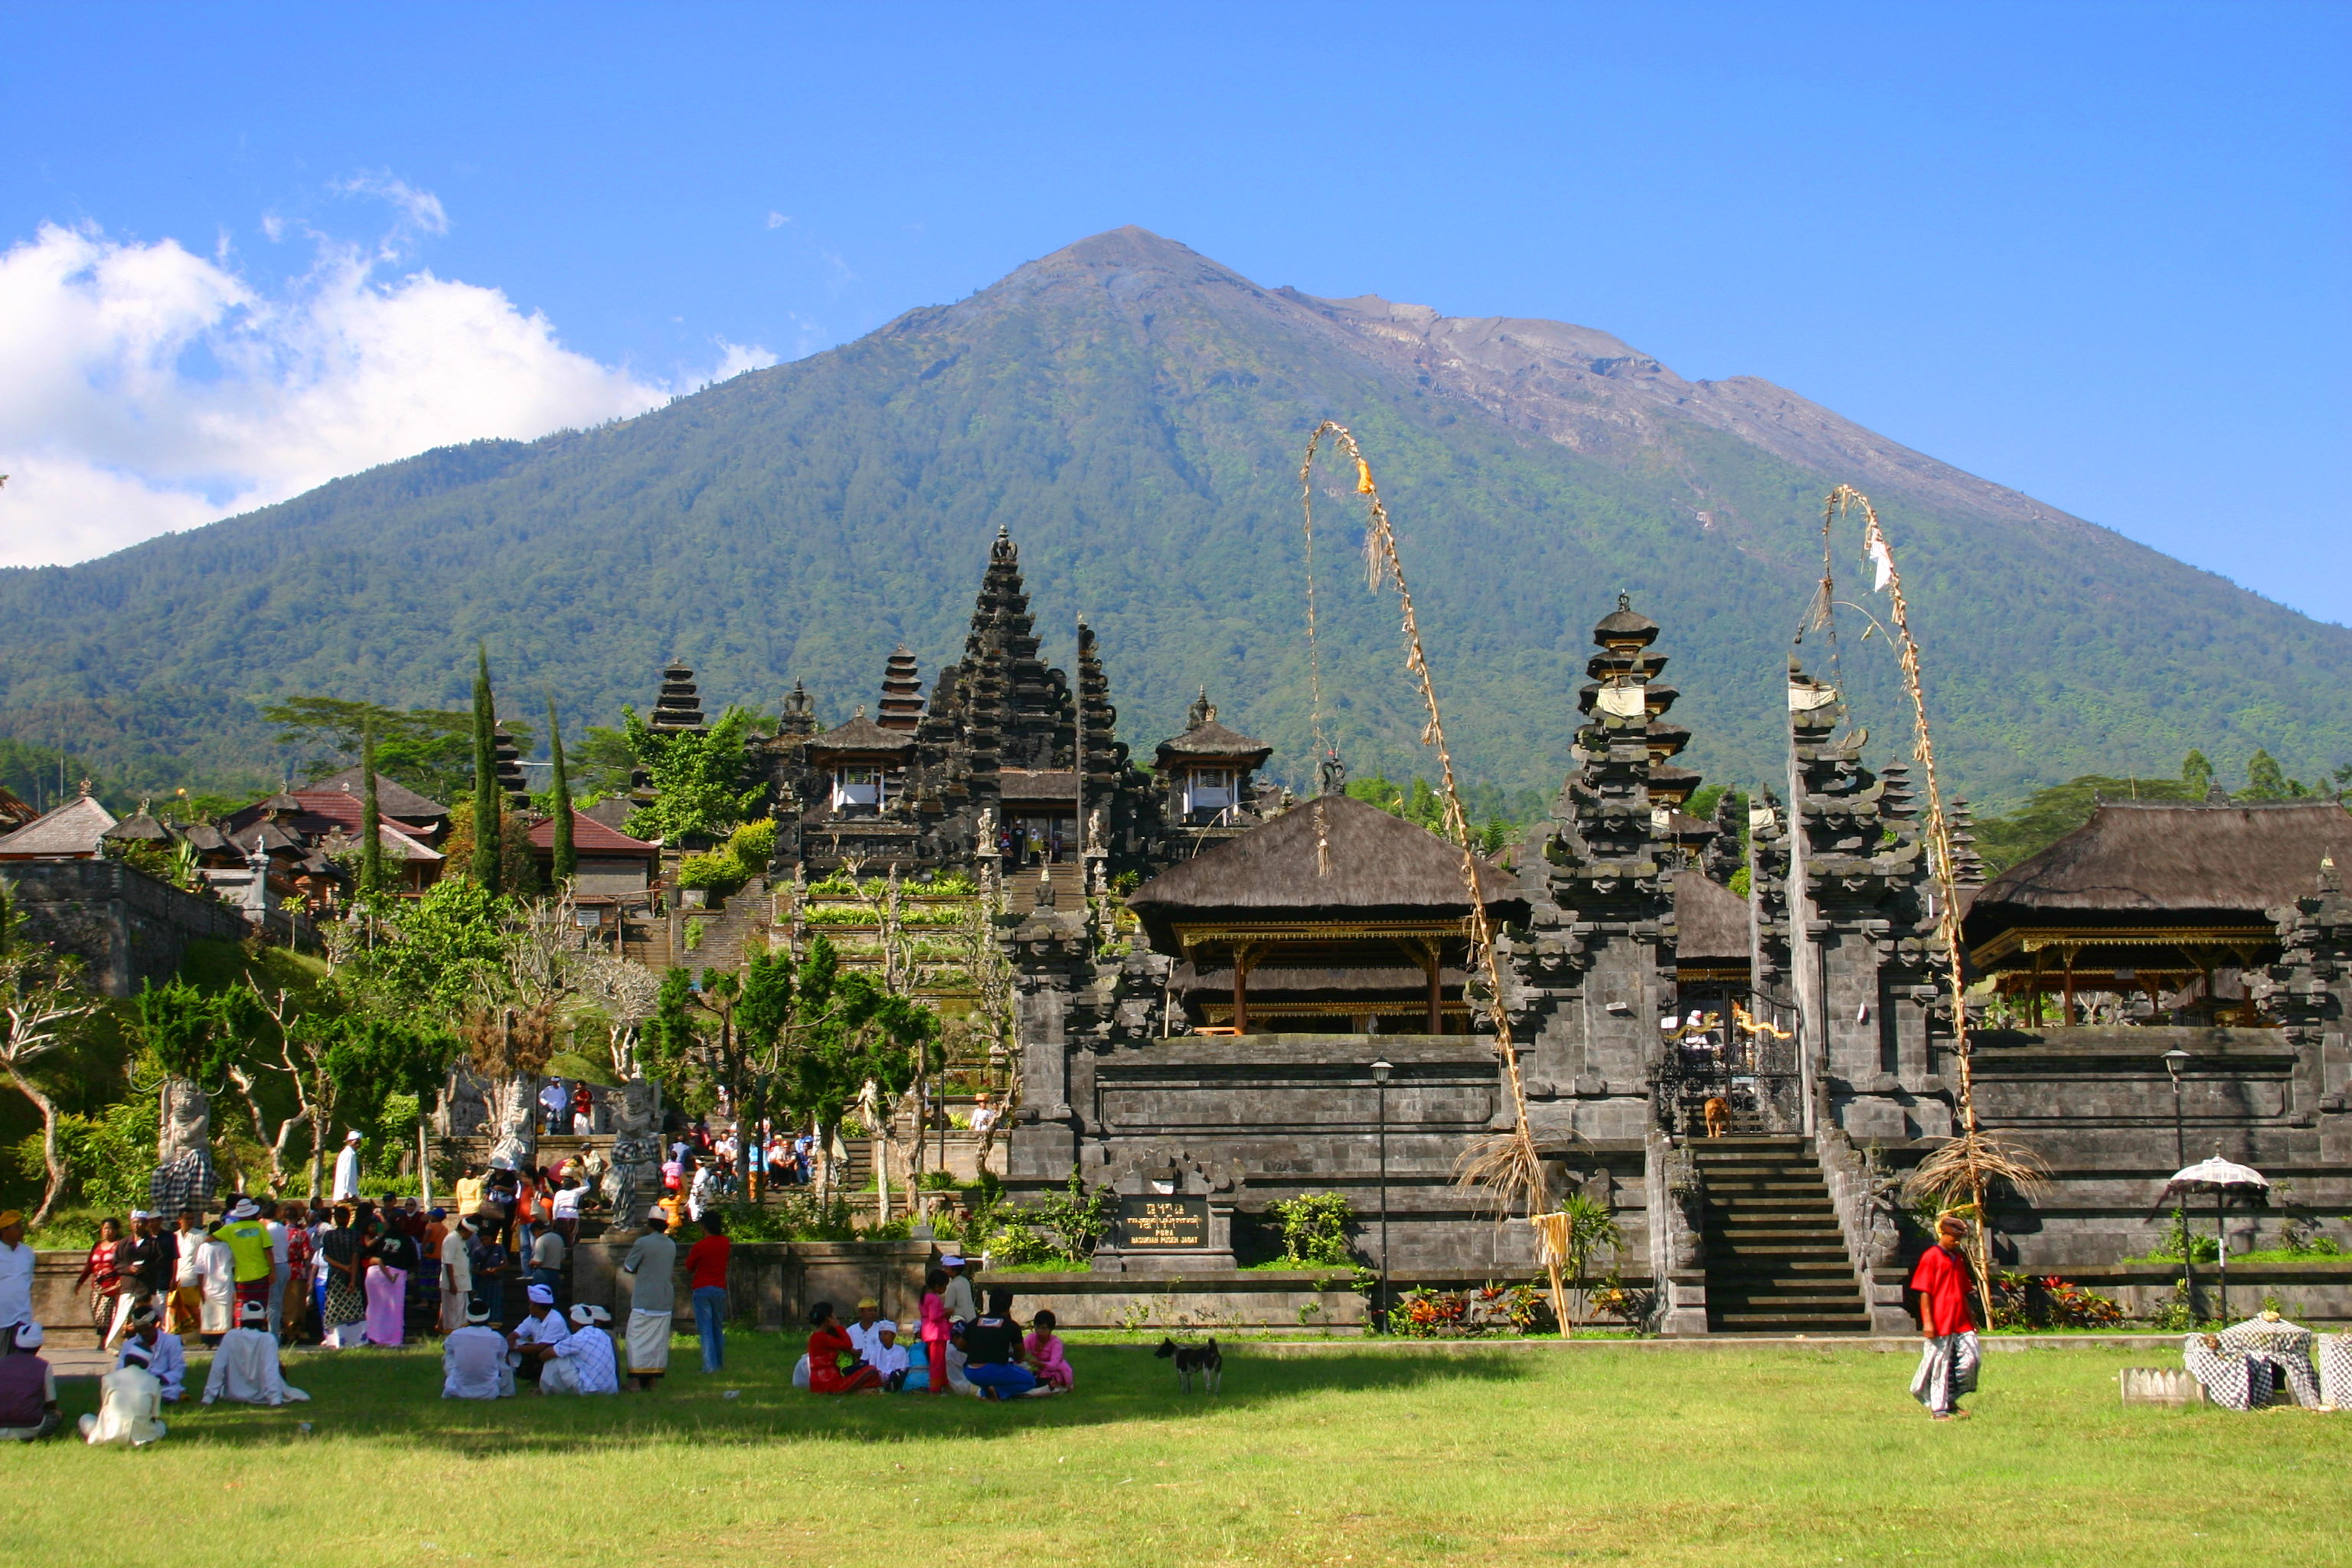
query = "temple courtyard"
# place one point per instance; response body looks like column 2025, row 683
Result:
column 1343, row 1454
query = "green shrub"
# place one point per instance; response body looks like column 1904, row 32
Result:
column 1314, row 1229
column 711, row 870
column 1017, row 1244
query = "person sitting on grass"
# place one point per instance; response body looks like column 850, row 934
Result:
column 581, row 1362
column 1044, row 1348
column 130, row 1404
column 28, row 1388
column 473, row 1362
column 888, row 1356
column 993, row 1349
column 166, row 1357
column 543, row 1325
column 835, row 1365
column 245, row 1367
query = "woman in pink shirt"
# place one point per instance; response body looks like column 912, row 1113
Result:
column 934, row 1330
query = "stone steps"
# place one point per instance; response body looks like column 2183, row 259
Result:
column 1776, row 1259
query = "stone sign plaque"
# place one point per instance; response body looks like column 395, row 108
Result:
column 1163, row 1224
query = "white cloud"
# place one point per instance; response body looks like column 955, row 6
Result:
column 143, row 388
column 777, row 220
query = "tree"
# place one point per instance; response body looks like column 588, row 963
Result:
column 370, row 818
column 2196, row 774
column 445, row 949
column 698, row 780
column 2266, row 780
column 665, row 1044
column 565, row 862
column 2049, row 814
column 847, row 1031
column 424, row 748
column 488, row 808
column 42, row 1006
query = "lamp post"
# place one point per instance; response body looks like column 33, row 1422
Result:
column 2176, row 1061
column 1381, row 1070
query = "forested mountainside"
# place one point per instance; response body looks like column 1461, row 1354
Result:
column 1134, row 413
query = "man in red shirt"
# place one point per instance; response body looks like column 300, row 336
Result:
column 705, row 1269
column 1944, row 1286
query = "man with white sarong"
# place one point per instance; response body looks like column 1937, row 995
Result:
column 129, row 1404
column 652, row 1264
column 215, row 1284
column 543, row 1325
column 474, row 1360
column 581, row 1362
column 1943, row 1282
column 347, row 1170
column 245, row 1367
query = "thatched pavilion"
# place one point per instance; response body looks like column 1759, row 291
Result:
column 2161, row 899
column 1335, row 917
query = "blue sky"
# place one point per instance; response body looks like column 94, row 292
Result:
column 2095, row 252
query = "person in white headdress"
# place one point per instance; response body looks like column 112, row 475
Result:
column 129, row 1404
column 216, row 1283
column 245, row 1367
column 583, row 1361
column 347, row 1170
column 541, row 1325
column 474, row 1360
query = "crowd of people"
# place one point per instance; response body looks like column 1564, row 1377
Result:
column 965, row 1349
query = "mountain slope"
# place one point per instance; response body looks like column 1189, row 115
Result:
column 1134, row 413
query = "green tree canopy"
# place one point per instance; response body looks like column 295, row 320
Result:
column 700, row 782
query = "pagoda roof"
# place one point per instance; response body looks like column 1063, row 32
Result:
column 613, row 811
column 15, row 810
column 393, row 798
column 2143, row 857
column 1379, row 865
column 1213, row 740
column 141, row 826
column 73, row 831
column 862, row 734
column 589, row 836
column 1710, row 920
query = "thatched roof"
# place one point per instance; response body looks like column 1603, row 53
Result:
column 1710, row 920
column 2148, row 858
column 1047, row 783
column 1209, row 739
column 862, row 734
column 1379, row 863
column 73, row 831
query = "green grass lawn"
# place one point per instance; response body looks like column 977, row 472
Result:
column 1347, row 1456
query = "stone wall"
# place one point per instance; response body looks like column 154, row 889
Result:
column 128, row 927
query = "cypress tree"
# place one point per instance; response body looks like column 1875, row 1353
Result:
column 560, row 792
column 371, row 817
column 486, row 806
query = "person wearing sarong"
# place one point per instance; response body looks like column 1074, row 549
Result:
column 28, row 1387
column 541, row 1325
column 344, row 1251
column 145, row 1260
column 217, row 1281
column 1942, row 1283
column 245, row 1369
column 835, row 1365
column 390, row 1255
column 187, row 1307
column 458, row 1275
column 347, row 1170
column 294, row 1304
column 581, row 1362
column 250, row 1243
column 131, row 1405
column 652, row 1265
column 166, row 1357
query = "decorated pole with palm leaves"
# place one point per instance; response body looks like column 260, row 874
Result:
column 486, row 804
column 370, row 816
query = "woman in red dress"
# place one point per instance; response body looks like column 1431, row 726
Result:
column 104, row 1277
column 828, row 1343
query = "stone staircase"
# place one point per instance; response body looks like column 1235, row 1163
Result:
column 725, row 932
column 1776, row 1260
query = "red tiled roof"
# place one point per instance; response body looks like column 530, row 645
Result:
column 589, row 836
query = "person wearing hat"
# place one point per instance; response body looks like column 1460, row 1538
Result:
column 889, row 1357
column 28, row 1388
column 1943, row 1284
column 130, row 1404
column 474, row 1361
column 347, row 1169
column 245, row 1367
column 217, row 1279
column 582, row 1361
column 543, row 1325
column 249, row 1243
column 167, row 1358
column 961, row 1306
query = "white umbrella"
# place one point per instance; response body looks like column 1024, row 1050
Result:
column 2219, row 1177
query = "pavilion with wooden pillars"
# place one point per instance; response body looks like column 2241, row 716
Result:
column 2155, row 909
column 1335, row 917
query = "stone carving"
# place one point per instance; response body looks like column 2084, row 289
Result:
column 184, row 1175
column 514, row 1113
column 635, row 1176
column 1688, row 1192
column 466, row 1105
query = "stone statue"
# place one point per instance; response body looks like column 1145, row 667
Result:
column 514, row 1113
column 465, row 1106
column 184, row 1175
column 635, row 1179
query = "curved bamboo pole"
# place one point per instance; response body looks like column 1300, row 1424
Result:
column 1505, row 1163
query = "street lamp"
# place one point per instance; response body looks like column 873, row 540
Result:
column 1381, row 1070
column 2176, row 1061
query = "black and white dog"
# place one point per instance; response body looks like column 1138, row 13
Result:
column 1206, row 1360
